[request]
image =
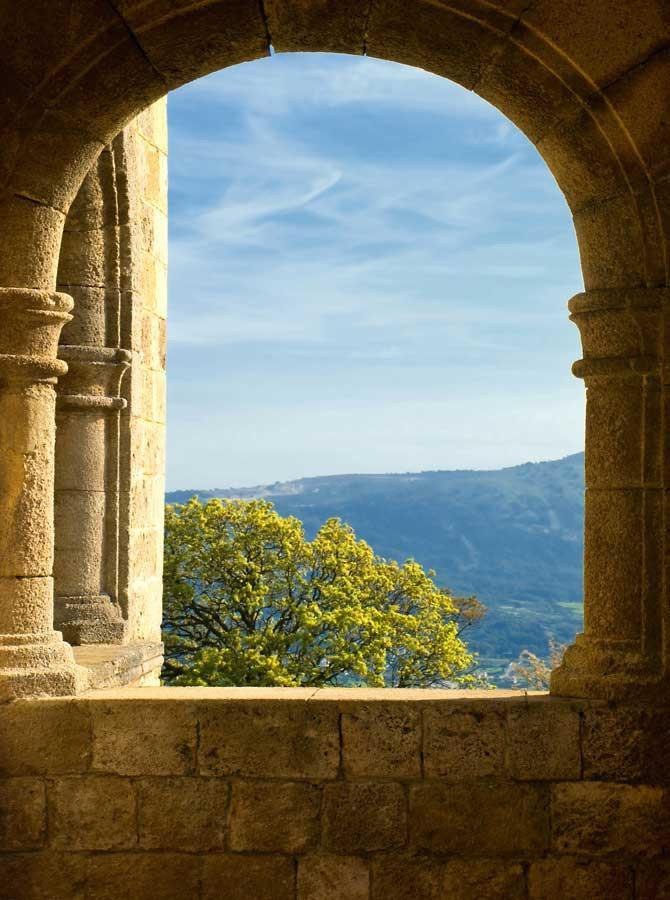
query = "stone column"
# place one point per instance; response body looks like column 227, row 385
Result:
column 86, row 607
column 34, row 659
column 621, row 652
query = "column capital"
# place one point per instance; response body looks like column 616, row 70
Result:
column 30, row 325
column 94, row 378
column 621, row 331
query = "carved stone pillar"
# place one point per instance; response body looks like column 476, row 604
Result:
column 34, row 659
column 623, row 651
column 86, row 607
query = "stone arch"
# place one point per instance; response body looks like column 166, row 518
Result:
column 588, row 86
column 90, row 74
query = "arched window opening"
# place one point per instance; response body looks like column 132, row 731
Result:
column 368, row 273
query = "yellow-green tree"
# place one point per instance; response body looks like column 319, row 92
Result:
column 249, row 601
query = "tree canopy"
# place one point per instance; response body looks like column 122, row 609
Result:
column 250, row 601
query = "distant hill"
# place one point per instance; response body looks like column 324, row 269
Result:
column 511, row 536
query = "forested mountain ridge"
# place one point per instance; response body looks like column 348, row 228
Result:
column 513, row 537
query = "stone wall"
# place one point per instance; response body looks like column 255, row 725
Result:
column 111, row 405
column 144, row 243
column 333, row 795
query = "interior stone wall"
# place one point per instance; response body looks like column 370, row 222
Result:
column 110, row 435
column 144, row 248
column 189, row 794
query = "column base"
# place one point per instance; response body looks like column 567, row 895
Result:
column 607, row 670
column 38, row 665
column 89, row 619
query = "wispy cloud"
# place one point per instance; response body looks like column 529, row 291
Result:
column 333, row 218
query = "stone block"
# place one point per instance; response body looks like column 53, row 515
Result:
column 363, row 817
column 464, row 744
column 581, row 159
column 400, row 877
column 624, row 36
column 246, row 877
column 543, row 742
column 151, row 125
column 528, row 93
column 488, row 818
column 44, row 737
column 92, row 813
column 87, row 256
column 274, row 817
column 22, row 813
column 425, row 878
column 647, row 122
column 143, row 737
column 333, row 878
column 211, row 36
column 154, row 184
column 150, row 876
column 186, row 814
column 381, row 741
column 88, row 323
column 594, row 819
column 611, row 249
column 334, row 27
column 80, row 463
column 147, row 441
column 43, row 876
column 616, row 416
column 626, row 744
column 570, row 879
column 271, row 739
column 145, row 554
column 484, row 880
column 652, row 880
column 618, row 538
column 430, row 36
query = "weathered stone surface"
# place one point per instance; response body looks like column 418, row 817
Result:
column 243, row 877
column 362, row 817
column 622, row 37
column 294, row 25
column 92, row 813
column 22, row 814
column 272, row 740
column 383, row 740
column 626, row 744
column 652, row 880
column 571, row 879
column 484, row 880
column 43, row 876
column 333, row 878
column 274, row 817
column 490, row 819
column 44, row 737
column 426, row 878
column 143, row 738
column 592, row 89
column 402, row 877
column 187, row 814
column 431, row 37
column 127, row 876
column 544, row 742
column 594, row 819
column 464, row 744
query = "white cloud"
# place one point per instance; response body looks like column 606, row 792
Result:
column 345, row 231
column 279, row 84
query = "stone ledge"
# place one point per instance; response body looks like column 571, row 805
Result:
column 336, row 695
column 108, row 666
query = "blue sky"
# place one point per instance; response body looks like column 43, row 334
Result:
column 369, row 268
